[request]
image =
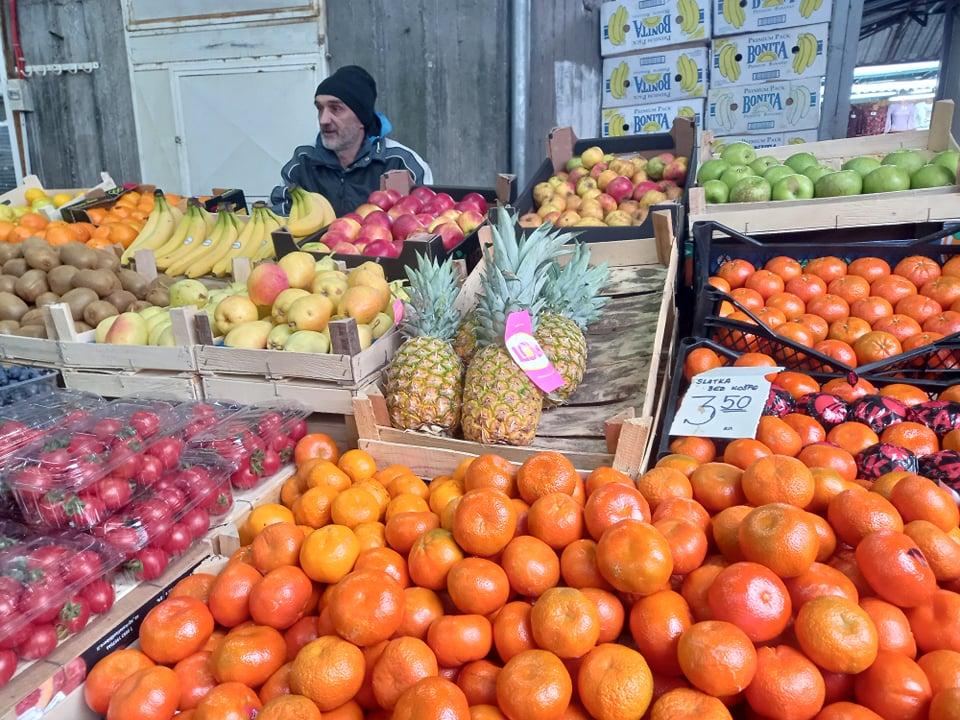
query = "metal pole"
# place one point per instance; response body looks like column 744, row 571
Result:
column 841, row 60
column 948, row 85
column 520, row 59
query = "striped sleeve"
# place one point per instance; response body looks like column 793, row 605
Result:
column 422, row 175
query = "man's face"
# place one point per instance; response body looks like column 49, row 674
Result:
column 340, row 128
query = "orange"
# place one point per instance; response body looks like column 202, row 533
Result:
column 634, row 557
column 267, row 514
column 421, row 607
column 827, row 485
column 893, row 628
column 806, row 286
column 819, row 581
column 249, row 655
column 735, row 272
column 175, row 629
column 614, row 683
column 895, row 568
column 313, row 507
column 196, row 679
column 431, row 557
column 717, row 486
column 744, row 451
column 578, row 565
column 512, row 631
column 701, row 360
column 688, row 703
column 725, row 528
column 688, row 544
column 557, row 519
column 837, row 634
column 827, row 539
column 277, row 546
column 402, row 530
column 778, row 479
column 941, row 551
column 780, row 537
column 846, row 711
column 353, row 506
column 853, row 437
column 779, row 436
column 402, row 664
column 753, row 598
column 366, row 607
column 789, row 304
column 324, row 474
column 289, row 707
column 656, row 624
column 299, row 634
column 478, row 586
column 683, row 509
column 432, row 699
column 484, row 522
column 894, row 687
column 109, row 673
column 534, row 684
column 662, row 483
column 854, row 514
column 478, row 680
column 787, row 685
column 329, row 671
column 491, row 471
column 942, row 668
column 408, row 485
column 611, row 613
column 917, row 438
column 531, row 565
column 545, row 473
column 459, row 639
column 606, row 475
column 229, row 701
column 611, row 503
column 945, row 705
column 765, row 283
column 370, row 535
column 917, row 498
column 565, row 622
column 358, row 464
column 696, row 586
column 149, row 694
column 702, row 449
column 936, row 622
column 329, row 553
column 384, row 560
column 717, row 657
column 315, row 445
column 279, row 599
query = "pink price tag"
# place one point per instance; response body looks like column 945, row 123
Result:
column 397, row 311
column 527, row 353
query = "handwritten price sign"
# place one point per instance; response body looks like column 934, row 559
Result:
column 724, row 403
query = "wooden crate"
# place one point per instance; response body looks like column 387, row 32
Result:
column 35, row 351
column 149, row 383
column 612, row 417
column 931, row 204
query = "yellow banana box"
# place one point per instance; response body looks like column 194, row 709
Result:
column 650, row 77
column 731, row 17
column 630, row 25
column 648, row 119
column 764, row 107
column 769, row 140
column 788, row 54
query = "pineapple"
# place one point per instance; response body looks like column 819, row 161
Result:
column 465, row 342
column 424, row 381
column 500, row 403
column 572, row 302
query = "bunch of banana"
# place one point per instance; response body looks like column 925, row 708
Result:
column 806, row 52
column 690, row 17
column 809, row 7
column 619, row 81
column 224, row 233
column 689, row 75
column 734, row 14
column 727, row 61
column 799, row 105
column 721, row 112
column 617, row 26
column 160, row 226
column 272, row 222
column 616, row 123
column 309, row 213
column 196, row 224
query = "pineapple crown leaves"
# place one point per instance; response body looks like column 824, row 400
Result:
column 573, row 290
column 516, row 271
column 431, row 310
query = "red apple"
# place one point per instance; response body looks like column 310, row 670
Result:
column 393, row 195
column 381, row 248
column 405, row 226
column 348, row 226
column 643, row 188
column 480, row 201
column 332, row 237
column 380, row 199
column 607, row 203
column 577, row 174
column 354, row 216
column 450, row 214
column 423, row 194
column 366, row 209
column 465, row 205
column 436, row 223
column 530, row 220
column 597, row 169
column 425, row 218
column 439, row 204
column 377, row 218
column 369, row 233
column 345, row 248
column 469, row 221
column 451, row 234
column 410, row 204
column 619, row 188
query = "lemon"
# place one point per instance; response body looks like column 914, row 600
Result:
column 61, row 199
column 34, row 194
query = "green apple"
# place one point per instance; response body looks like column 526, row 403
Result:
column 948, row 159
column 760, row 165
column 793, row 187
column 931, row 176
column 712, row 170
column 775, row 173
column 734, row 174
column 838, row 184
column 750, row 189
column 815, row 172
column 799, row 161
column 739, row 153
column 863, row 166
column 886, row 178
column 909, row 160
column 716, row 191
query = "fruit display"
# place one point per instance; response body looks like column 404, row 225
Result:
column 379, row 227
column 600, row 189
column 21, row 424
column 855, row 313
column 739, row 175
column 302, row 296
column 90, row 281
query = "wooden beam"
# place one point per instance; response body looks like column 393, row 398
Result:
column 948, row 87
column 841, row 60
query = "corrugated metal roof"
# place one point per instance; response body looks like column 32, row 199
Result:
column 907, row 41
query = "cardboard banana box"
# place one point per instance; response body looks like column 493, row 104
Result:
column 789, row 54
column 655, row 76
column 731, row 17
column 797, row 137
column 764, row 108
column 648, row 119
column 631, row 25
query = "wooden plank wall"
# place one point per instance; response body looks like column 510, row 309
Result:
column 81, row 123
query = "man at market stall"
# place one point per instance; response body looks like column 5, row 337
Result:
column 352, row 149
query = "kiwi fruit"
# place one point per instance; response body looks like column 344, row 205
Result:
column 8, row 252
column 8, row 326
column 60, row 279
column 138, row 306
column 15, row 267
column 97, row 311
column 32, row 317
column 81, row 327
column 121, row 299
column 107, row 260
column 159, row 296
column 8, row 283
column 47, row 298
column 11, row 307
column 80, row 256
column 78, row 299
column 134, row 282
column 33, row 243
column 42, row 258
column 31, row 285
column 163, row 281
column 102, row 282
column 33, row 331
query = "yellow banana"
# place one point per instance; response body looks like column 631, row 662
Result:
column 155, row 227
column 244, row 246
column 185, row 263
column 195, row 229
column 311, row 212
column 204, row 264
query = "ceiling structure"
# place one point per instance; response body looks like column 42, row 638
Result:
column 900, row 31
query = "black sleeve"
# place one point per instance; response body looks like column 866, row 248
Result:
column 290, row 174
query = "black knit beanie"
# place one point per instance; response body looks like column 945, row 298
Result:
column 356, row 88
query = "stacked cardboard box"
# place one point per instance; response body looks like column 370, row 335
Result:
column 655, row 64
column 767, row 61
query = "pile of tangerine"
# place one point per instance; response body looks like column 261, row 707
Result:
column 857, row 313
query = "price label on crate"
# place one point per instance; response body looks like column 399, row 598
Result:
column 724, row 403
